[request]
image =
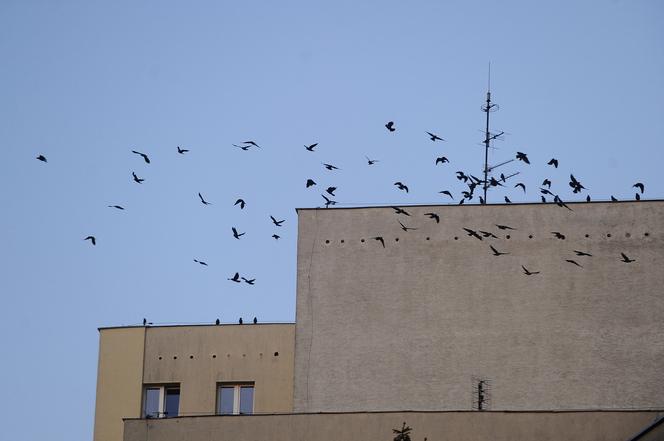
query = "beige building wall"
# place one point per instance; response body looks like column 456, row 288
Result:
column 119, row 375
column 406, row 327
column 435, row 426
column 200, row 357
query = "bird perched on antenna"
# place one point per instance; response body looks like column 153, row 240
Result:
column 434, row 137
column 390, row 126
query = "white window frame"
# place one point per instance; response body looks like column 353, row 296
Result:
column 162, row 398
column 236, row 397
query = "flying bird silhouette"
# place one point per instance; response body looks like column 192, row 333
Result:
column 119, row 207
column 137, row 179
column 522, row 185
column 522, row 157
column 447, row 193
column 496, row 252
column 182, row 151
column 200, row 262
column 145, row 157
column 330, row 167
column 434, row 138
column 433, row 216
column 390, row 126
column 241, row 202
column 42, row 158
column 249, row 281
column 276, row 222
column 504, row 227
column 638, row 185
column 328, row 201
column 547, row 183
column 558, row 235
column 371, row 161
column 573, row 262
column 401, row 186
column 235, row 278
column 441, row 160
column 276, row 236
column 575, row 184
column 529, row 273
column 310, row 182
column 559, row 202
column 310, row 147
column 488, row 234
column 236, row 234
column 582, row 253
column 405, row 228
column 203, row 200
column 380, row 239
column 91, row 239
column 553, row 162
column 398, row 210
column 472, row 233
column 330, row 190
column 626, row 259
column 243, row 147
column 251, row 143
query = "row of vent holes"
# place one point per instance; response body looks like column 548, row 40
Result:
column 530, row 236
column 191, row 357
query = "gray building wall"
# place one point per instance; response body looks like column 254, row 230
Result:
column 406, row 327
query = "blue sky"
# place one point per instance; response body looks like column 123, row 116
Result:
column 85, row 82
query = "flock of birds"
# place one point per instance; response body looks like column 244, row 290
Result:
column 471, row 182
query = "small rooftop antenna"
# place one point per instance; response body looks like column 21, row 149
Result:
column 489, row 107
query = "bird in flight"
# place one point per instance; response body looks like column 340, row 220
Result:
column 137, row 179
column 203, row 201
column 390, row 126
column 573, row 262
column 371, row 161
column 558, row 235
column 236, row 234
column 553, row 162
column 182, row 151
column 582, row 253
column 42, row 158
column 522, row 185
column 330, row 167
column 380, row 239
column 576, row 185
column 434, row 137
column 398, row 210
column 547, row 183
column 145, row 157
column 251, row 143
column 119, row 207
column 310, row 182
column 405, row 228
column 626, row 259
column 249, row 281
column 638, row 185
column 328, row 201
column 496, row 252
column 241, row 202
column 330, row 190
column 200, row 262
column 235, row 278
column 522, row 157
column 447, row 193
column 91, row 239
column 401, row 186
column 433, row 216
column 559, row 202
column 276, row 222
column 504, row 227
column 311, row 147
column 529, row 273
column 472, row 233
column 488, row 234
column 462, row 176
column 442, row 160
column 276, row 236
column 243, row 147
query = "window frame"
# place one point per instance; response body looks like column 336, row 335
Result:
column 162, row 388
column 237, row 387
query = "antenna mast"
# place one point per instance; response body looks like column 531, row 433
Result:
column 488, row 108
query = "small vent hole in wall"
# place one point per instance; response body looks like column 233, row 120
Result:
column 456, row 237
column 228, row 355
column 175, row 357
column 342, row 241
column 530, row 236
column 327, row 241
column 276, row 354
column 587, row 235
column 260, row 354
column 191, row 357
column 396, row 239
column 646, row 234
column 362, row 240
column 428, row 238
column 214, row 355
column 160, row 357
column 244, row 355
column 608, row 234
column 628, row 235
column 507, row 237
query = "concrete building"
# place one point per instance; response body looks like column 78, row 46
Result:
column 424, row 326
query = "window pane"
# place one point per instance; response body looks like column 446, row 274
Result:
column 225, row 400
column 172, row 404
column 151, row 409
column 247, row 400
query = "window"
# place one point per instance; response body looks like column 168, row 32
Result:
column 161, row 401
column 234, row 399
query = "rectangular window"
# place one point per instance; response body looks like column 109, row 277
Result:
column 161, row 401
column 235, row 399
